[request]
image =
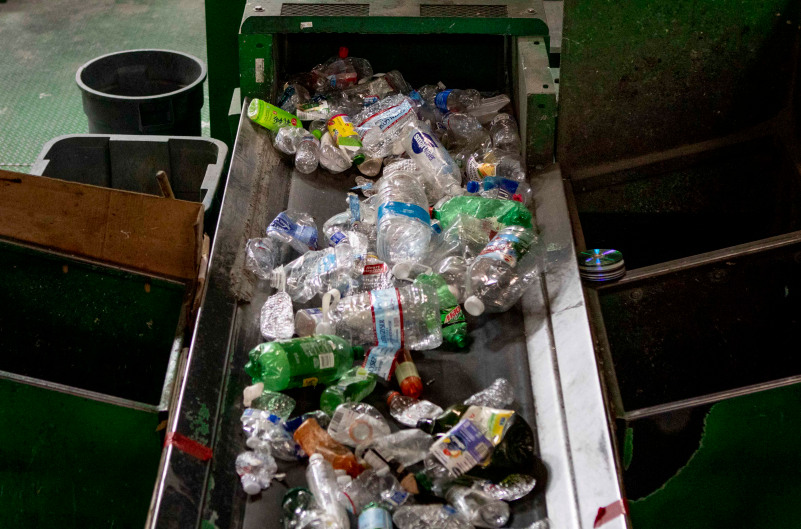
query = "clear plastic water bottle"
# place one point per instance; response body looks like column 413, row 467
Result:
column 442, row 174
column 371, row 486
column 323, row 485
column 294, row 228
column 499, row 276
column 404, row 228
column 405, row 447
column 278, row 404
column 261, row 256
column 457, row 100
column 503, row 129
column 307, row 156
column 375, row 516
column 463, row 129
column 409, row 411
column 479, row 508
column 256, row 470
column 297, row 506
column 331, row 157
column 429, row 517
column 356, row 318
column 383, row 123
column 354, row 423
column 499, row 394
column 287, row 139
column 267, row 432
column 371, row 166
column 318, row 272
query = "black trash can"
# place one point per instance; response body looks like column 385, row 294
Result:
column 143, row 92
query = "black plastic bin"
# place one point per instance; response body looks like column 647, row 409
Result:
column 143, row 92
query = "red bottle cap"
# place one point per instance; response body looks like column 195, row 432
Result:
column 391, row 397
column 431, row 211
column 517, row 197
column 343, row 52
column 412, row 387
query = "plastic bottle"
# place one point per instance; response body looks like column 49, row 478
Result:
column 298, row 503
column 409, row 411
column 315, row 440
column 357, row 317
column 443, row 176
column 405, row 447
column 383, row 123
column 503, row 130
column 294, row 228
column 480, row 509
column 381, row 86
column 270, row 116
column 345, row 137
column 261, row 256
column 372, row 486
column 429, row 517
column 354, row 386
column 340, row 72
column 375, row 516
column 499, row 394
column 377, row 275
column 331, row 157
column 404, row 228
column 307, row 156
column 488, row 108
column 499, row 276
column 287, row 139
column 408, row 378
column 354, row 423
column 300, row 362
column 317, row 272
column 454, row 324
column 278, row 404
column 371, row 166
column 323, row 485
column 256, row 470
column 267, row 432
column 457, row 100
column 498, row 213
column 463, row 129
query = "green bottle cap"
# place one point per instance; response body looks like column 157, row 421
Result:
column 358, row 159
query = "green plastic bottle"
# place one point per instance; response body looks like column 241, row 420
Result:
column 300, row 362
column 270, row 116
column 454, row 325
column 354, row 386
column 499, row 212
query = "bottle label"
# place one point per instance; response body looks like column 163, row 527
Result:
column 317, row 108
column 452, row 315
column 341, row 130
column 395, row 497
column 338, row 238
column 388, row 327
column 354, row 208
column 270, row 116
column 308, row 358
column 370, row 100
column 406, row 370
column 506, row 247
column 492, row 422
column 412, row 211
column 442, row 101
column 389, row 117
column 375, row 518
column 305, row 234
column 462, row 448
column 479, row 170
column 423, row 143
column 326, row 263
column 375, row 269
column 506, row 187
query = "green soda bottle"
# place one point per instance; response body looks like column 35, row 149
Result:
column 354, row 386
column 454, row 325
column 270, row 116
column 300, row 362
column 498, row 212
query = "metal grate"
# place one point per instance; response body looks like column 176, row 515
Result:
column 325, row 10
column 464, row 11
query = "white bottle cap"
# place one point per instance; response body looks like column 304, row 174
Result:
column 250, row 485
column 315, row 458
column 454, row 291
column 251, row 393
column 474, row 306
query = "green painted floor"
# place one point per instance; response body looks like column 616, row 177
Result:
column 44, row 42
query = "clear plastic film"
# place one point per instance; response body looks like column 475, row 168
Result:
column 405, row 447
column 261, row 256
column 268, row 433
column 499, row 394
column 256, row 471
column 429, row 517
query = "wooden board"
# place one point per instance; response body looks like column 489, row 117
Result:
column 154, row 235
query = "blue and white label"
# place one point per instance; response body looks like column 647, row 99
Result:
column 354, row 208
column 442, row 101
column 389, row 117
column 462, row 448
column 395, row 498
column 305, row 234
column 326, row 263
column 338, row 238
column 388, row 325
column 375, row 518
column 380, row 360
column 369, row 100
column 412, row 211
column 506, row 187
column 425, row 144
column 506, row 247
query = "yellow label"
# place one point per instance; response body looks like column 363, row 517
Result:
column 311, row 381
column 492, row 422
column 406, row 370
column 486, row 169
column 340, row 126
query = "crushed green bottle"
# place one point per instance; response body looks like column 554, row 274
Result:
column 354, row 386
column 300, row 362
column 270, row 116
column 452, row 319
column 499, row 212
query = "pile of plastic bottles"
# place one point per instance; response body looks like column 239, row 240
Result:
column 388, row 276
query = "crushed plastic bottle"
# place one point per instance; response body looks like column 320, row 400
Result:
column 331, row 157
column 429, row 517
column 408, row 411
column 371, row 486
column 454, row 324
column 495, row 213
column 323, row 485
column 463, row 129
column 294, row 95
column 340, row 72
column 479, row 508
column 268, row 433
column 404, row 228
column 377, row 275
column 300, row 362
column 502, row 272
column 256, row 471
column 307, row 155
column 511, row 488
column 442, row 175
column 457, row 100
column 287, row 139
column 355, row 423
column 294, row 228
column 318, row 272
column 276, row 403
column 297, row 506
column 405, row 447
column 375, row 516
column 276, row 321
column 380, row 86
column 499, row 394
column 503, row 130
column 356, row 384
column 382, row 124
column 314, row 440
column 261, row 256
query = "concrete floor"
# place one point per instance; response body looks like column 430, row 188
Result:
column 44, row 42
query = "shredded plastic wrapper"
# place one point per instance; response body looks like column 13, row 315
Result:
column 256, row 470
column 260, row 257
column 278, row 404
column 266, row 432
column 511, row 488
column 277, row 320
column 425, row 516
column 499, row 394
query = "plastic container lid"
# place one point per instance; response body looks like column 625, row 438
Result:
column 474, row 306
column 250, row 485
